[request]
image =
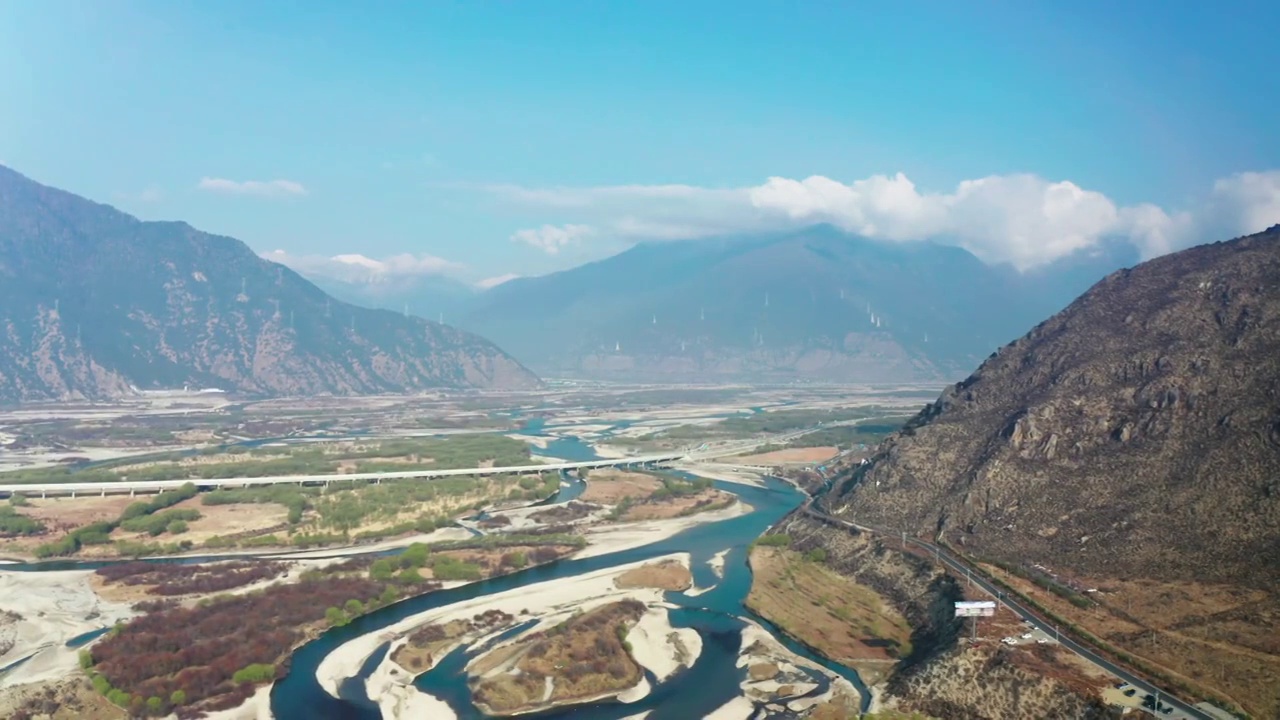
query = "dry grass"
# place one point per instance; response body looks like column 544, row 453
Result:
column 841, row 619
column 217, row 520
column 665, row 575
column 990, row 679
column 790, row 455
column 67, row 699
column 675, row 506
column 763, row 671
column 417, row 654
column 609, row 487
column 62, row 515
column 841, row 706
column 70, row 513
column 1224, row 640
column 584, row 656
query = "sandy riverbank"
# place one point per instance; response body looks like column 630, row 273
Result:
column 654, row 645
column 717, row 563
column 725, row 474
column 550, row 601
column 54, row 607
column 257, row 707
column 759, row 646
column 624, row 536
column 534, row 440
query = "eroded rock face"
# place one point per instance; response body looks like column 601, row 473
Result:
column 1134, row 434
column 94, row 301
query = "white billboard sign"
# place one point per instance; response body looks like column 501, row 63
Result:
column 980, row 608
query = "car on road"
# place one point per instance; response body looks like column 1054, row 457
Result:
column 1026, row 636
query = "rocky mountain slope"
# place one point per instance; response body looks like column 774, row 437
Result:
column 815, row 304
column 1135, row 434
column 94, row 302
column 945, row 676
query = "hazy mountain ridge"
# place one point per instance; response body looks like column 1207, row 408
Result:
column 93, row 301
column 1134, row 434
column 815, row 304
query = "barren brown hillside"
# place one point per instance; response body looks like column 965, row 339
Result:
column 1134, row 434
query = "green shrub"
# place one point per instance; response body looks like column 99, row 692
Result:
column 256, row 673
column 382, row 570
column 416, row 555
column 773, row 540
column 12, row 523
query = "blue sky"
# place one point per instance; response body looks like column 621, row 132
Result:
column 525, row 137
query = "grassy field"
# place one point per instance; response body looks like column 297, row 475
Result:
column 848, row 436
column 881, row 421
column 320, row 458
column 1204, row 637
column 841, row 619
column 276, row 516
column 280, row 515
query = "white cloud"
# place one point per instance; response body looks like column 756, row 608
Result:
column 260, row 188
column 551, row 239
column 355, row 268
column 1021, row 219
column 494, row 282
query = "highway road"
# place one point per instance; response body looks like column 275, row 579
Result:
column 1025, row 613
column 704, row 452
column 134, row 486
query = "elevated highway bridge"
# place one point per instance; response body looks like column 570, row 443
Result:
column 133, row 487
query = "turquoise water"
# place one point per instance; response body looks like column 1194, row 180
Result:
column 716, row 615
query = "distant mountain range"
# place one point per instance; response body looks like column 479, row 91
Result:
column 434, row 297
column 817, row 304
column 94, row 302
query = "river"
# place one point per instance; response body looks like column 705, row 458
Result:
column 717, row 615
